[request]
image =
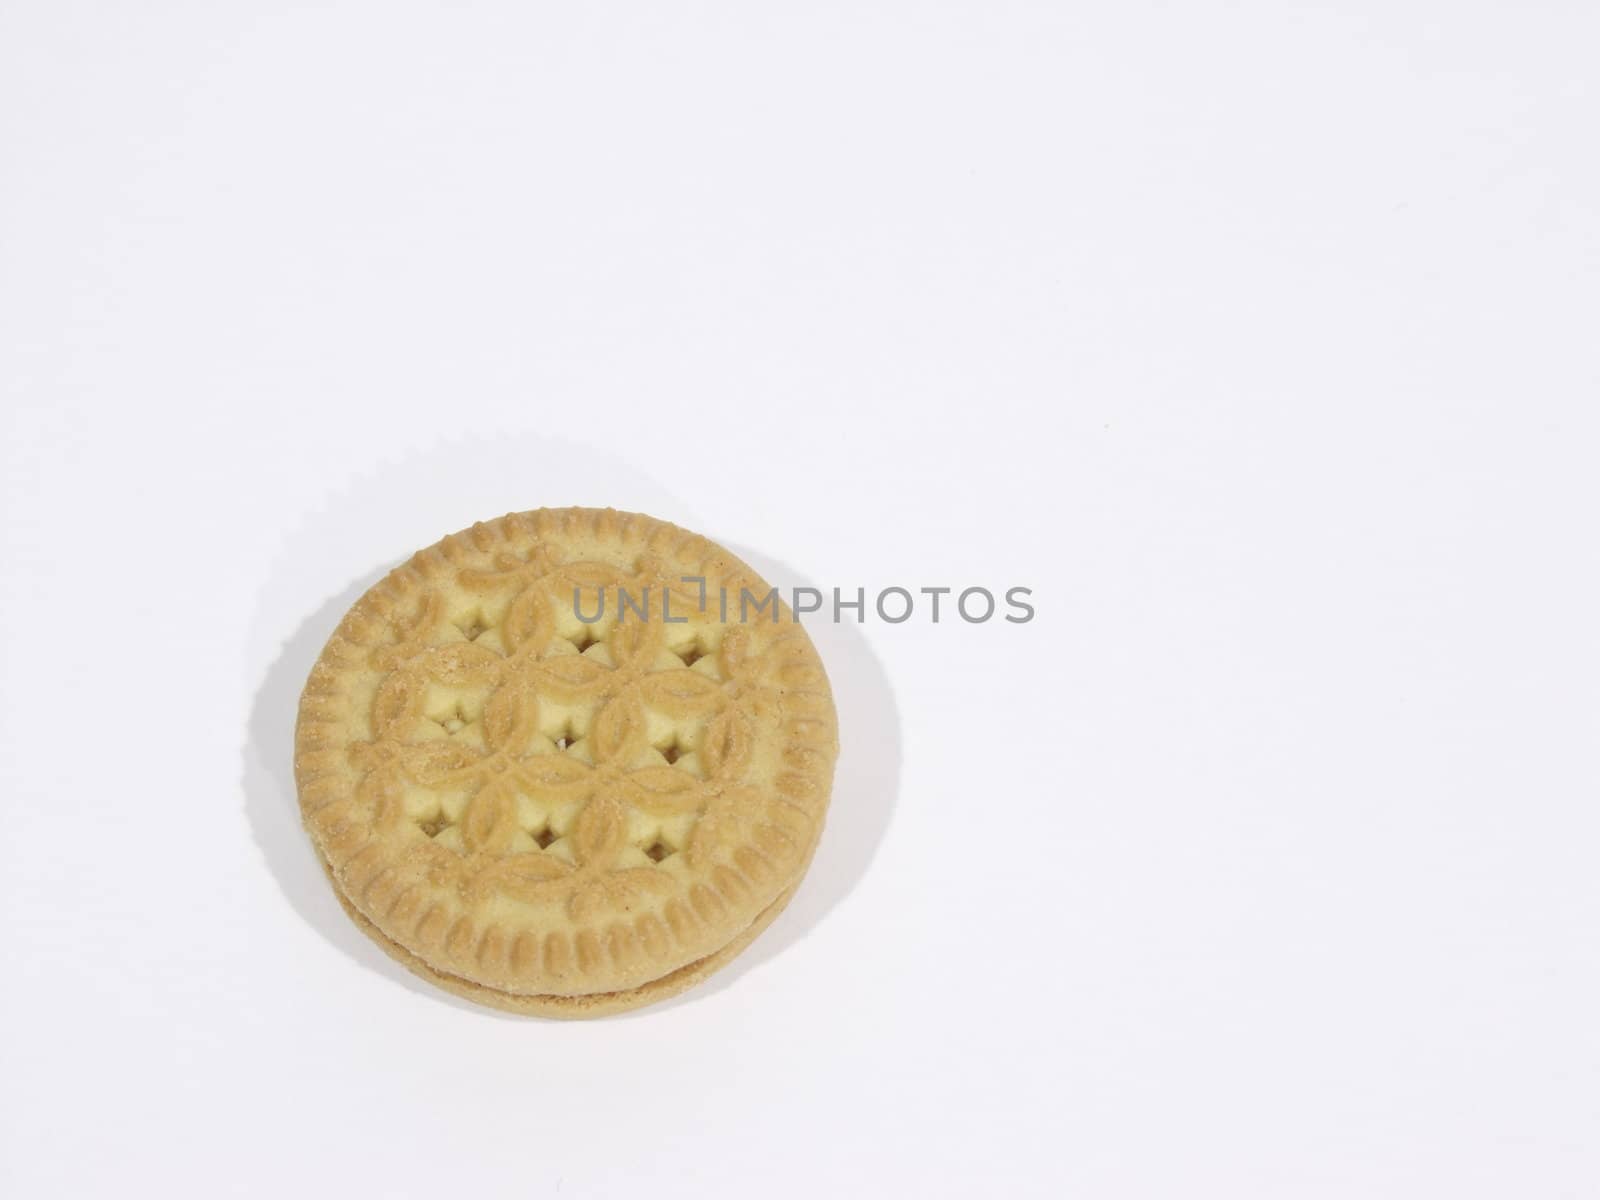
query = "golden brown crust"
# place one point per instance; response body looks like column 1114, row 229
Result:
column 600, row 1004
column 538, row 807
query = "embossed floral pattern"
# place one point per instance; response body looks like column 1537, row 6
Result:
column 549, row 809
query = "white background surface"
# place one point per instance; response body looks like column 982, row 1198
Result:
column 1259, row 340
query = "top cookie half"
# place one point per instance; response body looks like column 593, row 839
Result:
column 545, row 803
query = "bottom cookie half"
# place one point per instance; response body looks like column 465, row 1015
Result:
column 599, row 1004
